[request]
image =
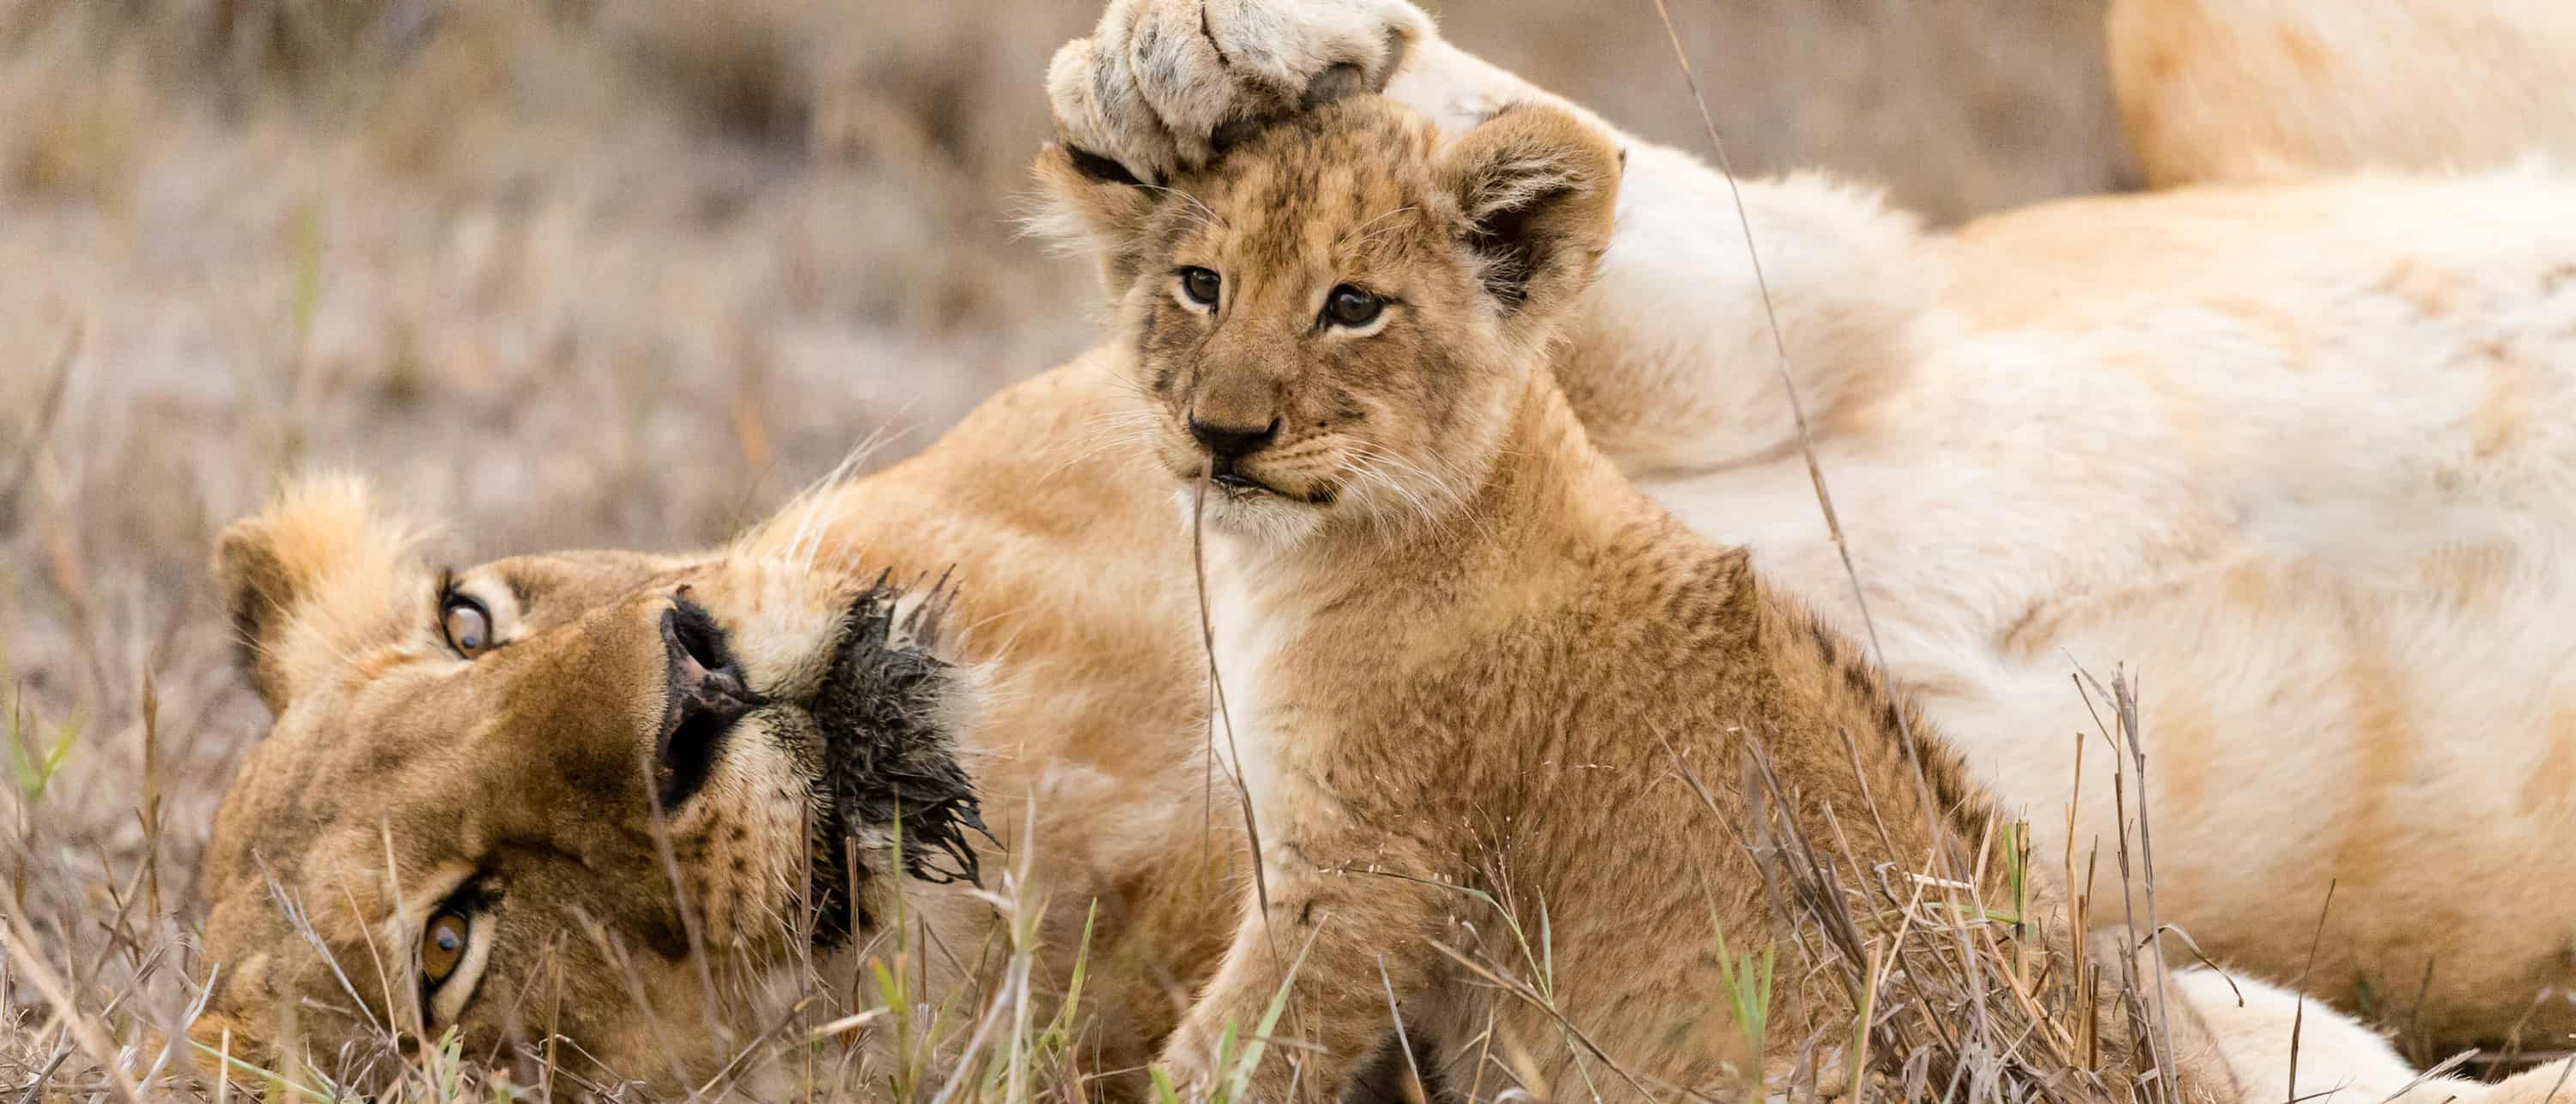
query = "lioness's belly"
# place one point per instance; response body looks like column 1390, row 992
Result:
column 2311, row 477
column 2406, row 737
column 2413, row 749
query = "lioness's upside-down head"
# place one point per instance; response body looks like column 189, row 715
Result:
column 1338, row 315
column 483, row 786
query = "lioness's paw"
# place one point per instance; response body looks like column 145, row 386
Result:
column 1161, row 85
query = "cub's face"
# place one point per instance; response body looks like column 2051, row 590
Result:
column 594, row 796
column 1337, row 318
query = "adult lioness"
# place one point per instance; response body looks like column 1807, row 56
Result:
column 476, row 780
column 542, row 748
column 1083, row 625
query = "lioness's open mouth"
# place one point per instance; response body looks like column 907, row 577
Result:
column 887, row 775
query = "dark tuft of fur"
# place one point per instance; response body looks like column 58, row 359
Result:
column 1511, row 251
column 886, row 762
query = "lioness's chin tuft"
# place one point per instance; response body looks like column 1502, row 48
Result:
column 887, row 772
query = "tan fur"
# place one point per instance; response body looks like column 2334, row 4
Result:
column 324, row 558
column 399, row 773
column 1493, row 687
column 2241, row 90
column 1076, row 588
column 388, row 747
column 2225, row 435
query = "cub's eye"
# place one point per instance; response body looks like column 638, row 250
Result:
column 1349, row 306
column 442, row 947
column 467, row 624
column 1200, row 285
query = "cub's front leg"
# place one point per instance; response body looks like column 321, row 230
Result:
column 1355, row 941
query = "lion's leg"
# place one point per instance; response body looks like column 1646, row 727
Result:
column 2253, row 1026
column 1356, row 943
column 2553, row 1082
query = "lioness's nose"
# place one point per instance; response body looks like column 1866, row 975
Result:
column 707, row 697
column 706, row 683
column 1226, row 442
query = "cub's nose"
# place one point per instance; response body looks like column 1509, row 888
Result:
column 1226, row 442
column 707, row 689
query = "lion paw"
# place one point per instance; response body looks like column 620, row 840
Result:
column 1191, row 1079
column 1190, row 1059
column 1162, row 86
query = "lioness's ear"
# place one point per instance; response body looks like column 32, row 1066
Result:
column 1537, row 187
column 310, row 579
column 1093, row 202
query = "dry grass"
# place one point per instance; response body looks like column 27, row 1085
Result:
column 611, row 273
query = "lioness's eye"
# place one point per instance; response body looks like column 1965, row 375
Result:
column 1200, row 285
column 467, row 625
column 1349, row 306
column 442, row 946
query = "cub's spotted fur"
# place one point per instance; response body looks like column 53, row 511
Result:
column 1466, row 661
column 2297, row 451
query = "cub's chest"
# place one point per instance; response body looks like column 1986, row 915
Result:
column 1281, row 734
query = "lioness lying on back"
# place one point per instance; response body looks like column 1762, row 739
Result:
column 1465, row 659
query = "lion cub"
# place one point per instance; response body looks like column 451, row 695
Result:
column 1466, row 665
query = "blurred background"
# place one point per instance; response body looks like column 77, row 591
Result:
column 627, row 273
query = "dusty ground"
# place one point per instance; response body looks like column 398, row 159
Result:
column 626, row 272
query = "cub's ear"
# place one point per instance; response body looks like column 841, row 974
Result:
column 317, row 575
column 1537, row 187
column 1094, row 203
